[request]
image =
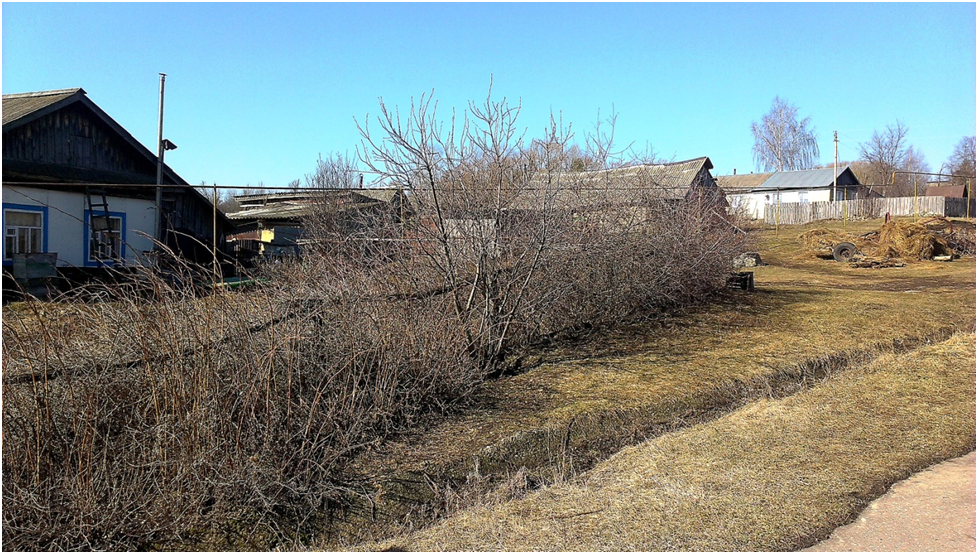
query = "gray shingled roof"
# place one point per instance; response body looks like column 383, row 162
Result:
column 803, row 179
column 16, row 106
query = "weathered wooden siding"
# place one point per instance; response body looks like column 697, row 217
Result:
column 795, row 213
column 72, row 137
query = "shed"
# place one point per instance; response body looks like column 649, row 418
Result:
column 276, row 223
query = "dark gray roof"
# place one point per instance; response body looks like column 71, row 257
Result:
column 803, row 179
column 16, row 106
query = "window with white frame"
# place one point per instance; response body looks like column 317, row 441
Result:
column 23, row 232
column 802, row 197
column 105, row 238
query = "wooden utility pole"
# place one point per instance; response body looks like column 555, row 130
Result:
column 217, row 274
column 159, row 165
column 835, row 167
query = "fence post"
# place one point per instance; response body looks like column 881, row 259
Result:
column 777, row 212
column 916, row 209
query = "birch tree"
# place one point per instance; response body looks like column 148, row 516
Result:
column 782, row 141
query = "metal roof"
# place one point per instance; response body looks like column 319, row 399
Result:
column 293, row 206
column 277, row 210
column 16, row 106
column 802, row 179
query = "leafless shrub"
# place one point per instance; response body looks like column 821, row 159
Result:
column 137, row 424
column 522, row 246
column 168, row 415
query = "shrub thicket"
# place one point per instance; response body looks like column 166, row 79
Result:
column 160, row 417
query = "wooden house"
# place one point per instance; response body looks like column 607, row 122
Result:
column 80, row 188
column 750, row 193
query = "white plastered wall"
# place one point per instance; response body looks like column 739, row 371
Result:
column 65, row 226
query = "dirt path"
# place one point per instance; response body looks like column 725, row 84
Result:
column 933, row 511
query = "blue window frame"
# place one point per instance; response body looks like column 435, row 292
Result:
column 105, row 244
column 25, row 230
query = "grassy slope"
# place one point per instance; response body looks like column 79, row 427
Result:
column 585, row 401
column 774, row 475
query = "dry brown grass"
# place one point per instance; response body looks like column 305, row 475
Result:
column 583, row 400
column 774, row 475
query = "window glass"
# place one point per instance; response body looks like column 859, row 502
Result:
column 23, row 219
column 23, row 232
column 105, row 244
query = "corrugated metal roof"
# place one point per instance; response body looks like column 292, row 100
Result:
column 296, row 205
column 802, row 179
column 277, row 210
column 742, row 182
column 386, row 194
column 16, row 106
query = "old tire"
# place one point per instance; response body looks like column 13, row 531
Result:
column 844, row 251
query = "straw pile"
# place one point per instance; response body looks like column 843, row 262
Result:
column 908, row 240
column 820, row 242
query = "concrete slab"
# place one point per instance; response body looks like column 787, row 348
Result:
column 932, row 511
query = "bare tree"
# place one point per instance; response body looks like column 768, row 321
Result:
column 885, row 153
column 962, row 162
column 294, row 184
column 909, row 184
column 227, row 203
column 782, row 142
column 337, row 171
column 520, row 244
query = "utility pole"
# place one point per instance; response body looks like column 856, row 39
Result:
column 217, row 273
column 159, row 165
column 835, row 167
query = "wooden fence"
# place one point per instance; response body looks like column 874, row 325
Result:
column 798, row 213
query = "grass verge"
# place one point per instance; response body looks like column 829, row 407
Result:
column 774, row 475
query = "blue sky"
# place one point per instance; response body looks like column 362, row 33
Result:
column 256, row 91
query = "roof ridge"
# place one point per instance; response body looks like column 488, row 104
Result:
column 40, row 93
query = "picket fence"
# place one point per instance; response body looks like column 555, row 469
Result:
column 798, row 213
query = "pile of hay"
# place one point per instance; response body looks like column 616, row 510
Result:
column 910, row 241
column 820, row 242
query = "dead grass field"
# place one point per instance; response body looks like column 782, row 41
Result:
column 774, row 475
column 581, row 401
